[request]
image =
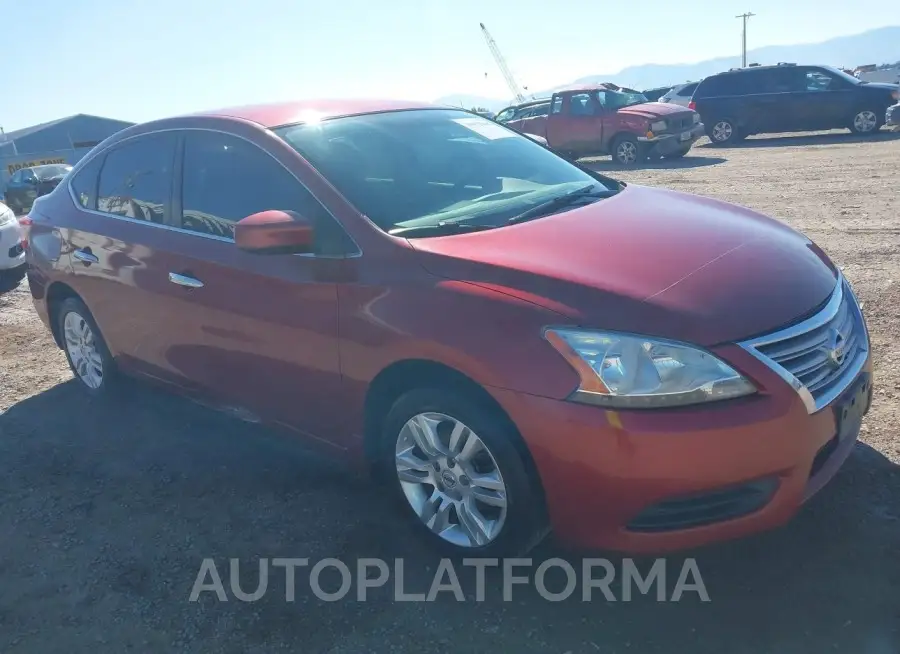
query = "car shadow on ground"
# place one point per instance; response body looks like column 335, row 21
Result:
column 689, row 161
column 9, row 281
column 109, row 508
column 829, row 138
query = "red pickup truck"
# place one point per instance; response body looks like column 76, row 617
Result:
column 608, row 119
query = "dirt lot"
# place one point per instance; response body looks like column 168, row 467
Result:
column 106, row 512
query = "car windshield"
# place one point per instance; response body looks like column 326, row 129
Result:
column 619, row 99
column 842, row 74
column 46, row 172
column 426, row 168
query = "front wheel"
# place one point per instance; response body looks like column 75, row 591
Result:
column 462, row 479
column 626, row 151
column 865, row 121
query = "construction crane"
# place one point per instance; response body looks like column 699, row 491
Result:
column 501, row 64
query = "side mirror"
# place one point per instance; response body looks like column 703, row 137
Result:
column 274, row 232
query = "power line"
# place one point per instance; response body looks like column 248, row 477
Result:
column 744, row 17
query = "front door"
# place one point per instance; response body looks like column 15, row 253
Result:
column 576, row 123
column 823, row 100
column 259, row 332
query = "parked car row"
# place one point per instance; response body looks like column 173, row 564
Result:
column 27, row 184
column 584, row 121
column 785, row 98
column 12, row 254
column 514, row 344
column 789, row 98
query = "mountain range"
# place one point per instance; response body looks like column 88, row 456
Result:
column 876, row 46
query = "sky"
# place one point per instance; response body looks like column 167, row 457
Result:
column 148, row 59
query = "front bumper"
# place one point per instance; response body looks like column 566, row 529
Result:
column 605, row 474
column 892, row 117
column 664, row 144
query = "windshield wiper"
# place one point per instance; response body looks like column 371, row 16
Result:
column 561, row 201
column 438, row 229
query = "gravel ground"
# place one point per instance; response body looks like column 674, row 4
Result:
column 107, row 511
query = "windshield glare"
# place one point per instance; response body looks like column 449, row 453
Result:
column 417, row 168
column 619, row 99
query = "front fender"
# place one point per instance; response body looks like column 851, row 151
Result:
column 491, row 336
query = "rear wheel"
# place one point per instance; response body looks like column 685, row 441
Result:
column 86, row 351
column 627, row 151
column 865, row 121
column 464, row 484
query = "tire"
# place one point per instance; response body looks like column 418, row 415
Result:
column 677, row 154
column 91, row 364
column 723, row 131
column 627, row 151
column 866, row 121
column 441, row 486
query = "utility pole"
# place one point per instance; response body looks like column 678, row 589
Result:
column 744, row 17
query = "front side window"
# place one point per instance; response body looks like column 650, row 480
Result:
column 16, row 178
column 556, row 106
column 818, row 81
column 425, row 168
column 226, row 179
column 580, row 105
column 136, row 178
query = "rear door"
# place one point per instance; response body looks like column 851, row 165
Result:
column 118, row 248
column 258, row 332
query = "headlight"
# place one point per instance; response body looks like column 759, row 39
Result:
column 6, row 215
column 696, row 118
column 631, row 371
column 658, row 126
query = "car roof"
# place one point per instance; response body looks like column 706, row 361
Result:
column 286, row 113
column 602, row 86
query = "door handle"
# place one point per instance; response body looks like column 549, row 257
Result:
column 184, row 280
column 85, row 256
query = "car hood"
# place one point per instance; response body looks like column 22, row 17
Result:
column 652, row 109
column 882, row 86
column 648, row 261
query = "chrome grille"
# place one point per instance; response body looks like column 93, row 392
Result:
column 821, row 355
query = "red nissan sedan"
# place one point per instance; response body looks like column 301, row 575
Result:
column 516, row 344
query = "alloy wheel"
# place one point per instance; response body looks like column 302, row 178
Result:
column 451, row 480
column 722, row 131
column 626, row 152
column 81, row 346
column 865, row 121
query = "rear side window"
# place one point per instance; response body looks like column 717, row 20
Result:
column 226, row 179
column 136, row 178
column 84, row 183
column 738, row 83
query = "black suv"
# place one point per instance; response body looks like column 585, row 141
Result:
column 789, row 98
